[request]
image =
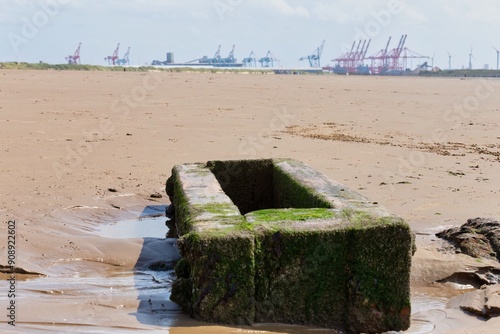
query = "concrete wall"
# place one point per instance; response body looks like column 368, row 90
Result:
column 306, row 250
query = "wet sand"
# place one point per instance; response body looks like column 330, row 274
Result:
column 425, row 148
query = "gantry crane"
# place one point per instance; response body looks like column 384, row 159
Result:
column 268, row 60
column 315, row 58
column 230, row 58
column 353, row 61
column 250, row 61
column 112, row 59
column 74, row 59
column 125, row 60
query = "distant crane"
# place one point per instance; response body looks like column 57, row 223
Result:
column 268, row 60
column 217, row 54
column 315, row 58
column 395, row 54
column 352, row 61
column 231, row 54
column 211, row 61
column 112, row 59
column 250, row 61
column 498, row 54
column 74, row 59
column 125, row 60
column 230, row 58
column 380, row 59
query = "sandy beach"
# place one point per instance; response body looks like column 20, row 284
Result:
column 82, row 151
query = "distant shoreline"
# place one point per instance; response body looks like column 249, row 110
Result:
column 174, row 69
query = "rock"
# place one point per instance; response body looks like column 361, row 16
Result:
column 492, row 294
column 156, row 195
column 484, row 302
column 479, row 237
column 112, row 190
column 477, row 279
column 473, row 302
column 170, row 222
column 170, row 211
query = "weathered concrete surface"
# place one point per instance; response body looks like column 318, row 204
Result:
column 307, row 251
column 478, row 237
column 199, row 200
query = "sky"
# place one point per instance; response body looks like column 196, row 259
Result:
column 50, row 30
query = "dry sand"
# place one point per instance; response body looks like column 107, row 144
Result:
column 427, row 149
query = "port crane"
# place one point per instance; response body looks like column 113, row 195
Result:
column 217, row 55
column 315, row 57
column 216, row 59
column 112, row 59
column 250, row 61
column 268, row 60
column 230, row 58
column 379, row 61
column 125, row 60
column 74, row 59
column 353, row 61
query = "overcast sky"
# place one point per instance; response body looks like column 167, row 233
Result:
column 50, row 30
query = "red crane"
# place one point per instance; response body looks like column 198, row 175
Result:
column 112, row 59
column 394, row 61
column 352, row 61
column 74, row 58
column 395, row 56
column 379, row 60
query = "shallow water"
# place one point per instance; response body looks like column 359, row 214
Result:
column 153, row 227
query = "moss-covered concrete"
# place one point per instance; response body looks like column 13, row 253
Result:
column 306, row 251
column 379, row 273
column 199, row 198
column 246, row 182
column 301, row 277
column 220, row 285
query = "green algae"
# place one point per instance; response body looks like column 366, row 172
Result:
column 272, row 215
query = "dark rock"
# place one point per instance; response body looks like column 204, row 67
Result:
column 170, row 222
column 172, row 229
column 169, row 188
column 479, row 237
column 170, row 211
column 161, row 266
column 112, row 190
column 156, row 195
